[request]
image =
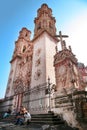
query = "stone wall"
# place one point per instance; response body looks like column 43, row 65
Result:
column 36, row 100
column 71, row 107
column 6, row 103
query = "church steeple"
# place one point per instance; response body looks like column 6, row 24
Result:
column 44, row 21
column 22, row 43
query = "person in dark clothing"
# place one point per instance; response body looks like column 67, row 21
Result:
column 20, row 116
column 7, row 113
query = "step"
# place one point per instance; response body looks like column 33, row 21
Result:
column 48, row 122
column 39, row 119
column 46, row 119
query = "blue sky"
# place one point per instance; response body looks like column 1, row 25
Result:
column 71, row 19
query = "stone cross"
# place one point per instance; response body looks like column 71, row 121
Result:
column 61, row 38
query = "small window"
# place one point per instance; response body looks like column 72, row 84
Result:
column 39, row 26
column 26, row 35
column 50, row 25
column 24, row 48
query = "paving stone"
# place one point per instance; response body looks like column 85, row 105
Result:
column 11, row 126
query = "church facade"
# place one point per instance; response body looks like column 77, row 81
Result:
column 41, row 74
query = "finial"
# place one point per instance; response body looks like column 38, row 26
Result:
column 70, row 48
column 56, row 48
column 63, row 45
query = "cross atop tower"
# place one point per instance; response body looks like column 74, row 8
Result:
column 61, row 38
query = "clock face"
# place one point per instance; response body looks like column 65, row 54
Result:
column 62, row 69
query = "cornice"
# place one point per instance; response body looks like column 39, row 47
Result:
column 43, row 31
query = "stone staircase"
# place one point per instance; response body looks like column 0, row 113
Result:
column 49, row 118
column 10, row 119
column 48, row 121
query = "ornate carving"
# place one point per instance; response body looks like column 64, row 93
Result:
column 38, row 52
column 38, row 62
column 44, row 21
column 37, row 74
column 23, row 68
column 62, row 55
column 18, row 86
column 62, row 69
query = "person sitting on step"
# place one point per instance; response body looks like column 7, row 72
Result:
column 7, row 113
column 27, row 117
column 20, row 116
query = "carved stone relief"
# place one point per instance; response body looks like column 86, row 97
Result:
column 23, row 70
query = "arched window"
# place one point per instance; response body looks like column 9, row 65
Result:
column 24, row 48
column 39, row 26
column 26, row 35
column 50, row 25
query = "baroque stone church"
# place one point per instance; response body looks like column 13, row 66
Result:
column 42, row 77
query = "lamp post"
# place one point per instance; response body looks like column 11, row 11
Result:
column 49, row 92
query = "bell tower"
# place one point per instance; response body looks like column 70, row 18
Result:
column 44, row 21
column 44, row 42
column 22, row 43
column 21, row 64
